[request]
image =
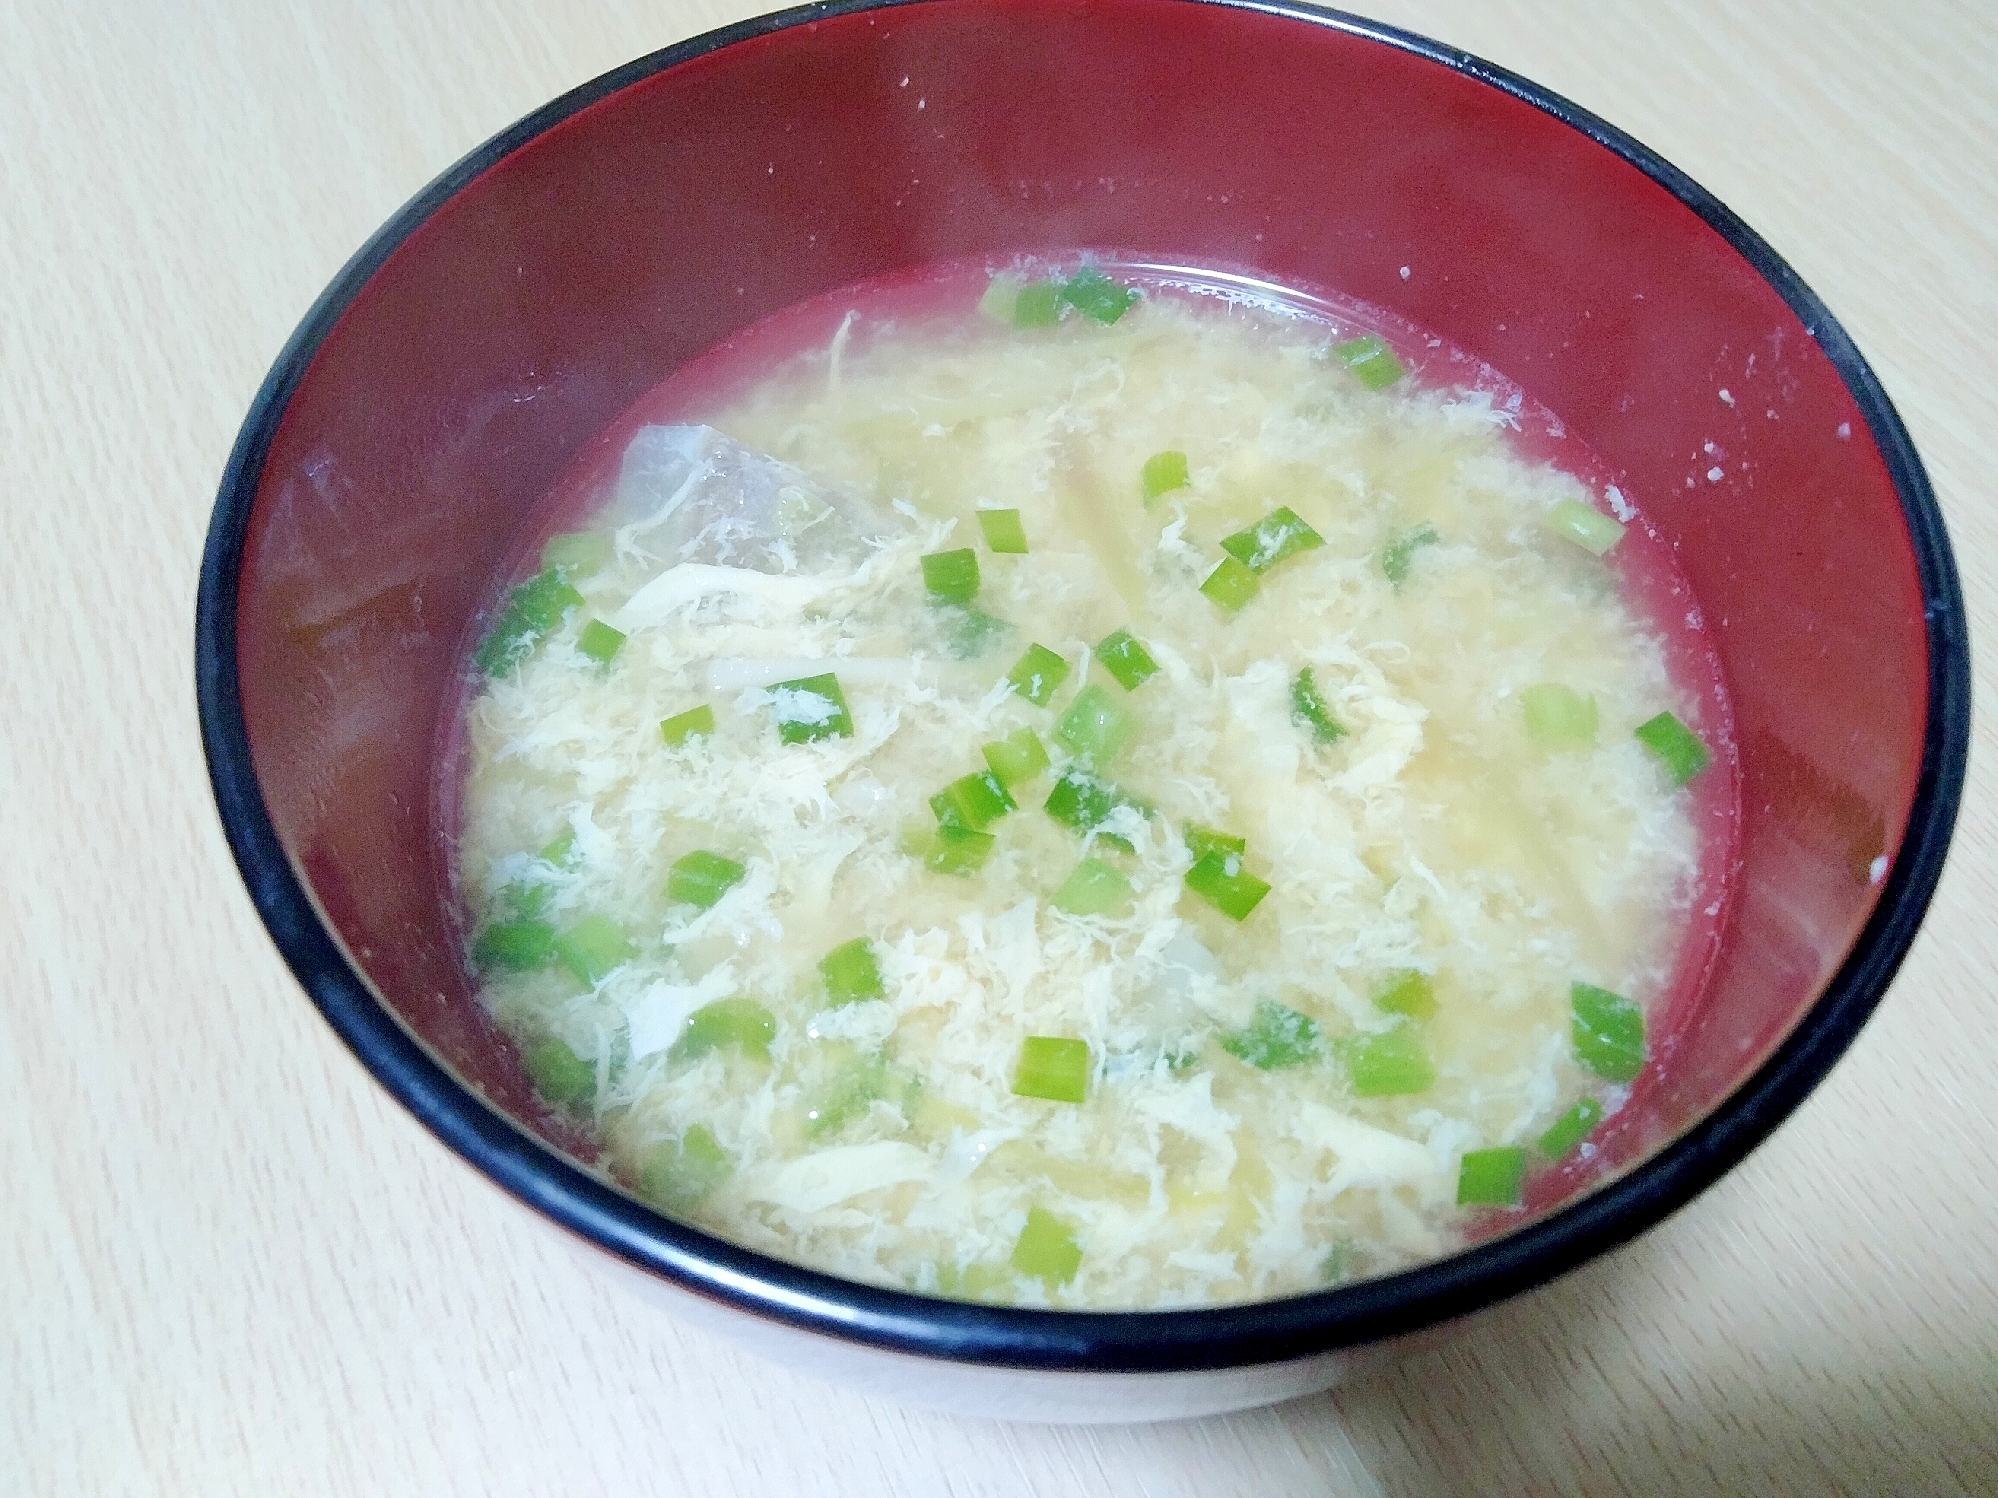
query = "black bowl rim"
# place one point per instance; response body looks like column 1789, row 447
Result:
column 1121, row 1341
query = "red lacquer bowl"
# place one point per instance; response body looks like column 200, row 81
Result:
column 526, row 298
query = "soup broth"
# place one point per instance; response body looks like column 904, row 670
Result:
column 1082, row 790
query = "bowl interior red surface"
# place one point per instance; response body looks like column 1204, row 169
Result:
column 538, row 300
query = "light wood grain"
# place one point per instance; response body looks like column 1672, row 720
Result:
column 229, row 1265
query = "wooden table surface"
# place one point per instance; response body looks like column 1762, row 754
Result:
column 229, row 1264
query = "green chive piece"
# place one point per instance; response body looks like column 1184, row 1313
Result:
column 579, row 553
column 1052, row 1067
column 600, row 642
column 678, row 1173
column 1038, row 674
column 523, row 900
column 592, row 948
column 517, row 946
column 702, row 878
column 1047, row 1250
column 1002, row 296
column 1201, row 841
column 558, row 848
column 852, row 974
column 1127, row 660
column 1093, row 889
column 1096, row 725
column 1587, row 527
column 1388, row 1063
column 809, row 709
column 1017, row 758
column 1163, row 473
column 1220, row 880
column 849, row 1096
column 1409, row 992
column 1037, row 305
column 968, row 633
column 1398, row 556
column 1096, row 296
column 737, row 1024
column 959, row 851
column 1491, row 1178
column 1677, row 747
column 1570, row 1129
column 1084, row 802
column 1608, row 1032
column 1373, row 363
column 1277, row 537
column 532, row 610
column 1276, row 1037
column 560, row 1075
column 1559, row 717
column 975, row 801
column 952, row 576
column 1003, row 531
column 695, row 722
column 1231, row 585
column 1308, row 710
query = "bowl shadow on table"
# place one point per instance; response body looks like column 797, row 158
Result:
column 1573, row 1390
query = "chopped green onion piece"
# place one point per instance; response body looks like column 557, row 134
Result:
column 1038, row 674
column 702, row 878
column 1084, row 802
column 579, row 553
column 1231, row 585
column 1275, row 1038
column 678, row 1173
column 1408, row 992
column 809, row 709
column 952, row 576
column 1093, row 889
column 1052, row 1067
column 1558, row 717
column 849, row 1096
column 959, row 851
column 600, row 642
column 1096, row 725
column 592, row 948
column 1002, row 295
column 1570, row 1129
column 1373, row 363
column 559, row 847
column 968, row 633
column 560, row 1075
column 518, row 946
column 1127, row 660
column 524, row 899
column 1201, row 841
column 1037, row 305
column 1608, row 1032
column 1003, row 531
column 695, row 722
column 851, row 972
column 975, row 801
column 1095, row 295
column 1047, row 1249
column 1220, row 880
column 1017, row 758
column 533, row 609
column 740, row 1024
column 1588, row 528
column 1277, row 537
column 1389, row 1063
column 1491, row 1178
column 1163, row 473
column 1677, row 747
column 1398, row 557
column 1308, row 709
